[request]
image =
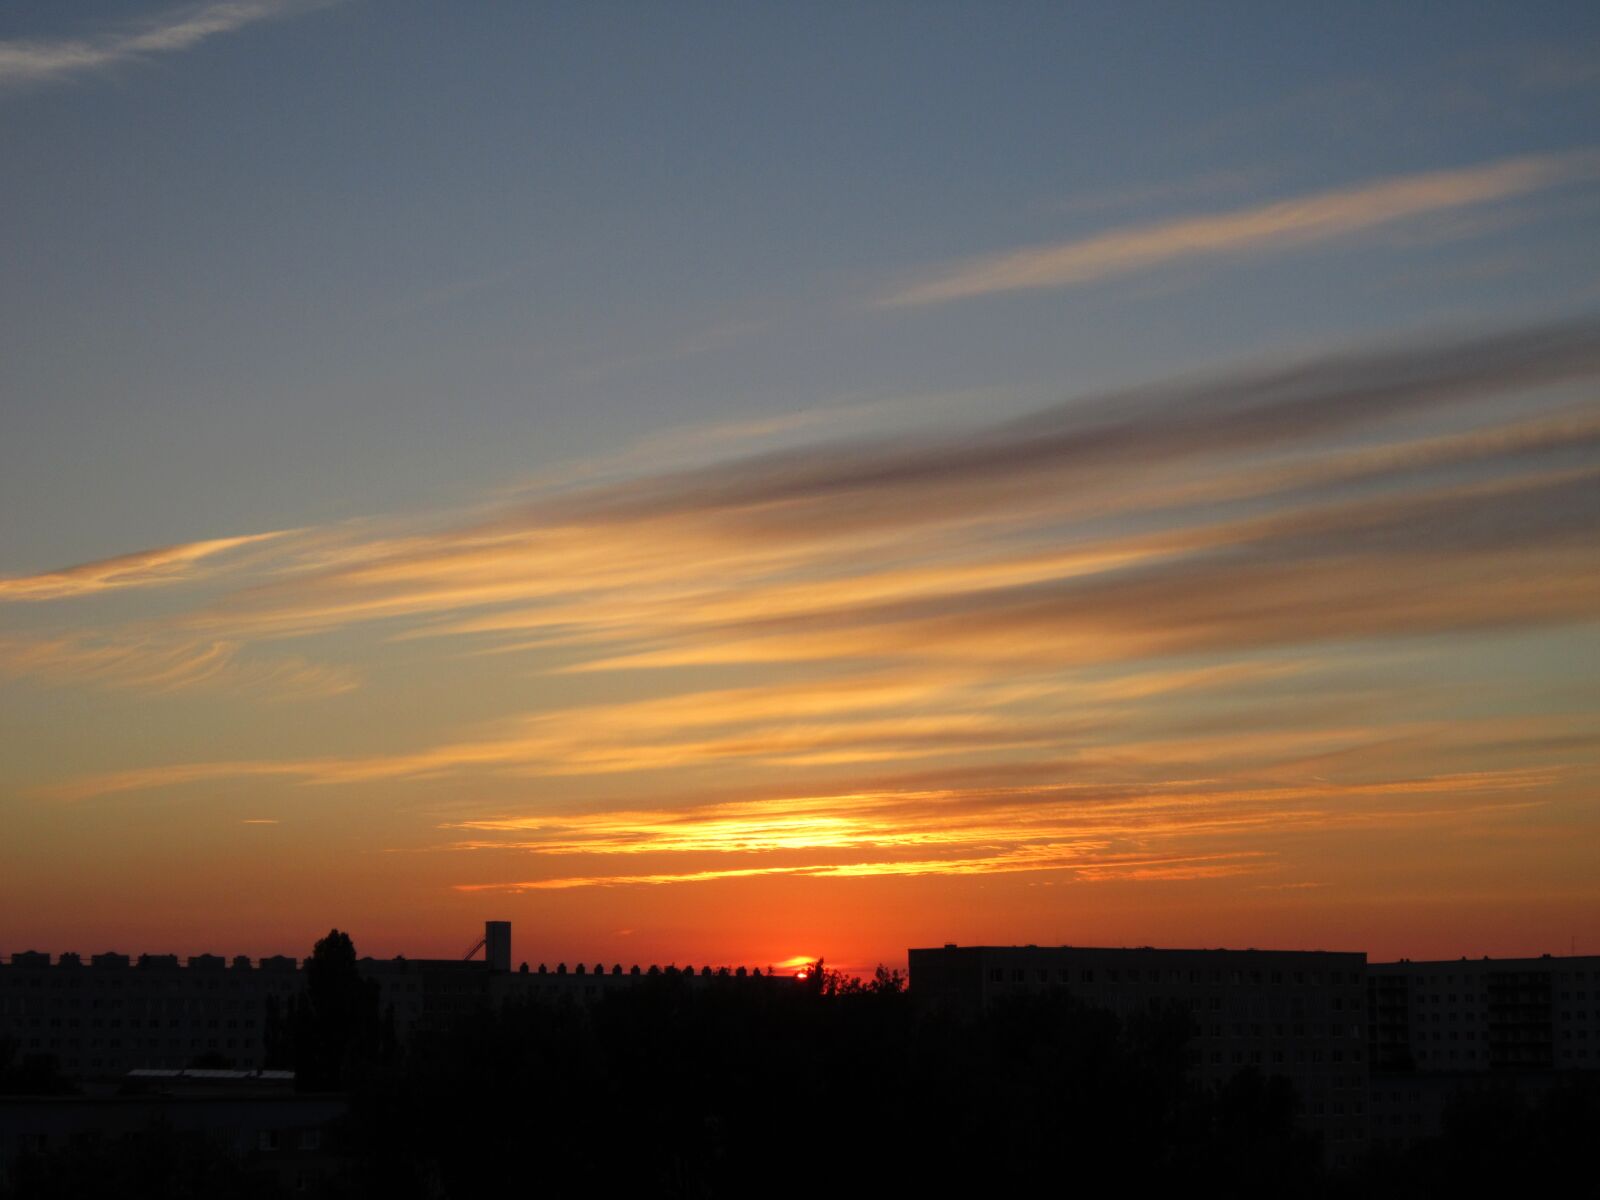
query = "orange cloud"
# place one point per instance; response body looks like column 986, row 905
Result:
column 1094, row 832
column 708, row 565
column 1163, row 635
column 1054, row 859
column 144, row 568
column 157, row 665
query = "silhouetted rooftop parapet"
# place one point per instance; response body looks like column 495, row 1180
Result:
column 111, row 960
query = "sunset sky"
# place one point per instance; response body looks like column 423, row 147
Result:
column 722, row 483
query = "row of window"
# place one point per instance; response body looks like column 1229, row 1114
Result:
column 71, row 981
column 117, row 1043
column 1479, row 998
column 1278, row 1058
column 27, row 1004
column 1281, row 1031
column 133, row 1023
column 1452, row 1056
column 1157, row 975
column 272, row 1140
column 269, row 1140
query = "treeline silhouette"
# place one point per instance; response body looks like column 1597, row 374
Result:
column 707, row 1088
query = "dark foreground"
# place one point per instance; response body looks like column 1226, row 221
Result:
column 708, row 1090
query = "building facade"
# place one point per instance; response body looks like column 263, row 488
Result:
column 1298, row 1014
column 1487, row 1014
column 1441, row 1029
column 114, row 1014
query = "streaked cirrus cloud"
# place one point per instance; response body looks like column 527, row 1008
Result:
column 1281, row 225
column 142, row 568
column 31, row 62
column 1192, row 830
column 1375, row 477
column 158, row 665
column 1144, row 634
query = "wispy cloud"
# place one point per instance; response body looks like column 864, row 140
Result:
column 1251, row 481
column 31, row 62
column 157, row 665
column 1286, row 224
column 1094, row 832
column 1045, row 859
column 143, row 568
column 1148, row 634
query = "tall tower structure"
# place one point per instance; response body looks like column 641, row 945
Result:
column 497, row 945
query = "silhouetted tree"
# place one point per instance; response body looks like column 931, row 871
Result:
column 337, row 1029
column 886, row 982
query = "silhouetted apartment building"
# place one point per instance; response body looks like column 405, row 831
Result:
column 1486, row 1014
column 114, row 1014
column 1299, row 1014
column 1438, row 1028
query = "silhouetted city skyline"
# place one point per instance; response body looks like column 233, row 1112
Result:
column 1343, row 1060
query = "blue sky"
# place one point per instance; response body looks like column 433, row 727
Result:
column 362, row 256
column 446, row 297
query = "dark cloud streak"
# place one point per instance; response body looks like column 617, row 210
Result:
column 1141, row 427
